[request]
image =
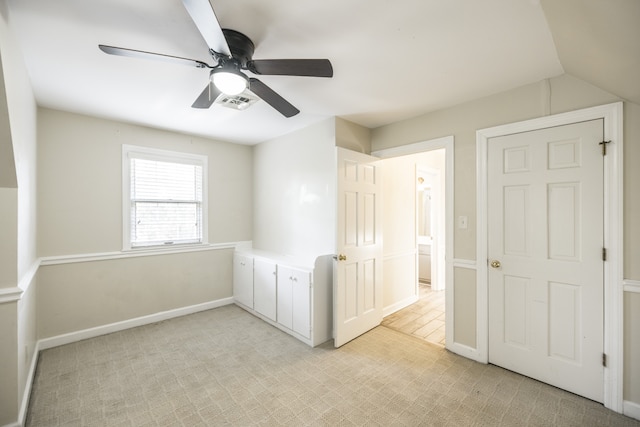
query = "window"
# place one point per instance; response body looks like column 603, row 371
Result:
column 164, row 200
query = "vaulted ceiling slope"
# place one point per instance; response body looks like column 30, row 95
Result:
column 599, row 42
column 391, row 60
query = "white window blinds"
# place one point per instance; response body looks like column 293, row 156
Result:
column 166, row 200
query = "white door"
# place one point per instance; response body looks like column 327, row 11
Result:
column 545, row 251
column 358, row 273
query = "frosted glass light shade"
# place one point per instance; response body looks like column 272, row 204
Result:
column 229, row 82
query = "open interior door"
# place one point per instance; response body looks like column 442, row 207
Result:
column 357, row 302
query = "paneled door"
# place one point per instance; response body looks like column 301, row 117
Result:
column 358, row 272
column 545, row 246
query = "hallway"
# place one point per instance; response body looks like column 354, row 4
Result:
column 423, row 319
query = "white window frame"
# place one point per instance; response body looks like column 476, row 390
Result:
column 132, row 151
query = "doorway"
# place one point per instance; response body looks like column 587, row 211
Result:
column 418, row 238
column 612, row 211
column 545, row 192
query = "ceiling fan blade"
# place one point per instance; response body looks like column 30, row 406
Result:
column 291, row 67
column 205, row 19
column 272, row 98
column 206, row 98
column 120, row 51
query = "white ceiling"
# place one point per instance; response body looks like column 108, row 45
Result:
column 392, row 60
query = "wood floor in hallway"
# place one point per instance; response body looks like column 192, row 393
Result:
column 423, row 319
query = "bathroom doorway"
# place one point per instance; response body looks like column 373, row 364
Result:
column 416, row 233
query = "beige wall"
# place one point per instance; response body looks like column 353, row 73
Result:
column 80, row 213
column 557, row 95
column 352, row 136
column 80, row 182
column 632, row 346
column 84, row 295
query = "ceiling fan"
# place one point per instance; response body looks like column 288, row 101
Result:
column 233, row 52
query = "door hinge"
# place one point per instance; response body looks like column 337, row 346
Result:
column 604, row 254
column 604, row 360
column 604, row 147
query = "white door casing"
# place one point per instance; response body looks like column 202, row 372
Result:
column 545, row 228
column 613, row 237
column 358, row 270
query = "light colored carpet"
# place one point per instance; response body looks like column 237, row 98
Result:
column 226, row 367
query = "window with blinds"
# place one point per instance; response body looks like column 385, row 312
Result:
column 166, row 204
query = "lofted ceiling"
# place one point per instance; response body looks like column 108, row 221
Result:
column 391, row 60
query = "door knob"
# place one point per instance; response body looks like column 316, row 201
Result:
column 495, row 263
column 342, row 257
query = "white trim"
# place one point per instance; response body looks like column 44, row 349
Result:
column 24, row 406
column 134, row 253
column 613, row 225
column 130, row 323
column 631, row 285
column 15, row 293
column 386, row 311
column 461, row 349
column 631, row 409
column 447, row 143
column 163, row 156
column 396, row 255
column 464, row 263
column 10, row 294
column 27, row 279
column 415, row 148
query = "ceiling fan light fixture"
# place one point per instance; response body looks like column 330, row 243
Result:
column 229, row 81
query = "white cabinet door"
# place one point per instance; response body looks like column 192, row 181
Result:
column 264, row 287
column 243, row 279
column 285, row 297
column 294, row 300
column 301, row 302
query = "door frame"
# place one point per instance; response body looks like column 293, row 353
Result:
column 612, row 115
column 446, row 143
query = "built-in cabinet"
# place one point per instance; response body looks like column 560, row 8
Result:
column 243, row 280
column 264, row 287
column 295, row 299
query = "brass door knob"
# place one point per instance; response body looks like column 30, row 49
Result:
column 342, row 257
column 495, row 263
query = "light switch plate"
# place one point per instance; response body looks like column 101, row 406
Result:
column 462, row 222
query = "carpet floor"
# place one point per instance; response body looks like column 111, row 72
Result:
column 226, row 367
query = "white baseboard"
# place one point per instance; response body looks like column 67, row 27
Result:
column 24, row 405
column 631, row 409
column 127, row 324
column 399, row 305
column 465, row 351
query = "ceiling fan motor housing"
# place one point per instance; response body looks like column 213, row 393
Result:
column 241, row 46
